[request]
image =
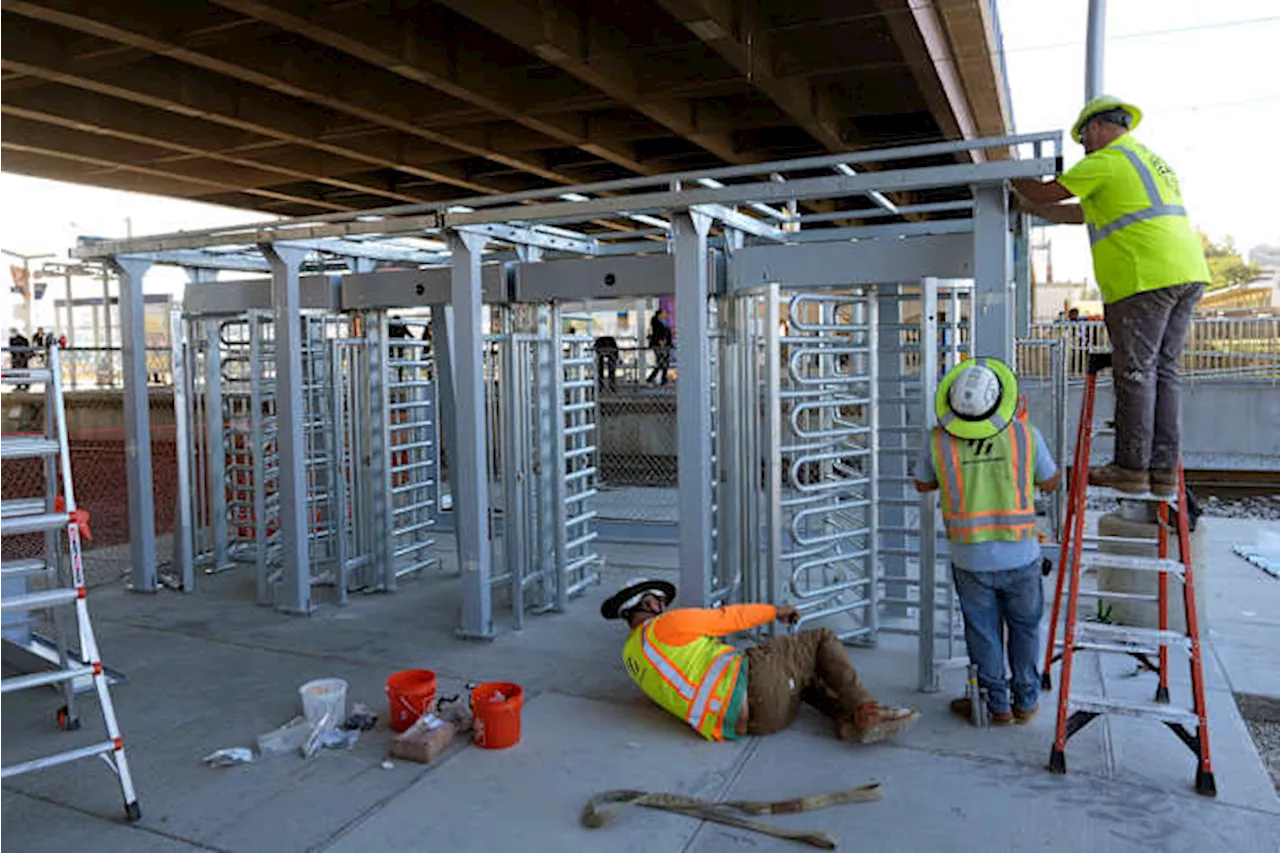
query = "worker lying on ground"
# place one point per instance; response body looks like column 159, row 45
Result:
column 723, row 692
column 991, row 459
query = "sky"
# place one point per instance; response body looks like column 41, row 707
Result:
column 1204, row 74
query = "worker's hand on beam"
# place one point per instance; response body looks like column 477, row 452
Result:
column 788, row 615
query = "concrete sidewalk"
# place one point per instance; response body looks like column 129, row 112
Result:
column 210, row 671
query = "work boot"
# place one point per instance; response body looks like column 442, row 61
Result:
column 1121, row 479
column 875, row 722
column 1164, row 482
column 1022, row 716
column 962, row 707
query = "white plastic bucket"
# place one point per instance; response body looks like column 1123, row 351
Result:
column 324, row 696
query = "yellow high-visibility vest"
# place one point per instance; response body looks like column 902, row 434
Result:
column 1139, row 232
column 694, row 682
column 988, row 484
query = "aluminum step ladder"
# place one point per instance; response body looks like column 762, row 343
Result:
column 1191, row 725
column 55, row 514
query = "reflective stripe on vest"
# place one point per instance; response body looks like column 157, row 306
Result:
column 991, row 523
column 698, row 707
column 670, row 672
column 1157, row 207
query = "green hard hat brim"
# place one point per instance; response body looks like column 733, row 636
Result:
column 1006, row 408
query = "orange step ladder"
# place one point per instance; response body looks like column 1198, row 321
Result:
column 1075, row 712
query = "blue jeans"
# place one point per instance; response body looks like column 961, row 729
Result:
column 992, row 602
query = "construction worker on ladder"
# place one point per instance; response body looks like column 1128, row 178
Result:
column 678, row 660
column 1149, row 264
column 987, row 460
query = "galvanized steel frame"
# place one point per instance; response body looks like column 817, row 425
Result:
column 979, row 246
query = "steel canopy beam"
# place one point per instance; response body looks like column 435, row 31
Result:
column 553, row 30
column 430, row 62
column 34, row 49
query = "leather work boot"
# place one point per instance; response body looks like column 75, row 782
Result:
column 962, row 707
column 875, row 722
column 1164, row 481
column 1121, row 479
column 1022, row 716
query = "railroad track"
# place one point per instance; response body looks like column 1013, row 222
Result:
column 1234, row 484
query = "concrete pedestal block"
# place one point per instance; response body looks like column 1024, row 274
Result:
column 1145, row 614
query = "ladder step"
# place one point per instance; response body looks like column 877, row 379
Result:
column 1119, row 596
column 40, row 679
column 1087, row 631
column 1156, row 710
column 1121, row 495
column 1105, row 560
column 22, row 568
column 34, row 523
column 18, row 507
column 26, row 375
column 1122, row 540
column 36, row 600
column 27, row 447
column 59, row 758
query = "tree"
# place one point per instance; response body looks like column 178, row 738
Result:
column 1226, row 266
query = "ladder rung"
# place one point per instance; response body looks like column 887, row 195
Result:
column 1087, row 631
column 40, row 679
column 59, row 758
column 1159, row 711
column 35, row 523
column 18, row 507
column 26, row 375
column 1123, row 540
column 1105, row 560
column 22, row 568
column 36, row 600
column 1119, row 596
column 1111, row 648
column 27, row 447
column 1121, row 495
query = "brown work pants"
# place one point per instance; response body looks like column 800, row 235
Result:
column 810, row 667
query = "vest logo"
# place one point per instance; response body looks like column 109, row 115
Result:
column 982, row 446
column 633, row 666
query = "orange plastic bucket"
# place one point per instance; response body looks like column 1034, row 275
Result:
column 496, row 709
column 409, row 695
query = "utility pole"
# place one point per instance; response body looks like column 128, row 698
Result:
column 1095, row 44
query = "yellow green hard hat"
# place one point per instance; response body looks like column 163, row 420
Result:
column 1101, row 104
column 977, row 398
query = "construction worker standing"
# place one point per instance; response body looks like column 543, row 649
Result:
column 678, row 660
column 1150, row 267
column 987, row 459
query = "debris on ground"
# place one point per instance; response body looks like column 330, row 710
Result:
column 424, row 740
column 362, row 718
column 287, row 738
column 1257, row 558
column 229, row 757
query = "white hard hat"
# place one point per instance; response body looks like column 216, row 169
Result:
column 975, row 392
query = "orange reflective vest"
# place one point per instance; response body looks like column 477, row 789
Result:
column 987, row 485
column 694, row 681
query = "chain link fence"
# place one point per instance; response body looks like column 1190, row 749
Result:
column 95, row 426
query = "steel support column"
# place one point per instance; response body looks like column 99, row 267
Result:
column 442, row 353
column 215, row 443
column 468, row 473
column 928, row 654
column 693, row 405
column 293, row 593
column 180, row 368
column 1095, row 49
column 993, row 274
column 137, row 422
